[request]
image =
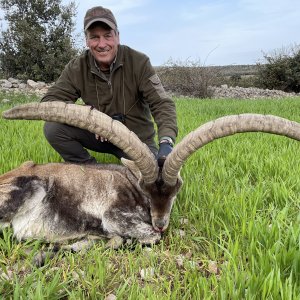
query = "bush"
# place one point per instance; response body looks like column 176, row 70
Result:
column 188, row 78
column 281, row 70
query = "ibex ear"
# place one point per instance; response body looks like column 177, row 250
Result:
column 132, row 167
column 27, row 164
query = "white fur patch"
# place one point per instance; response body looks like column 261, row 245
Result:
column 97, row 202
column 28, row 222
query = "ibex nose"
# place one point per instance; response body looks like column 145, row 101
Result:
column 160, row 225
column 159, row 229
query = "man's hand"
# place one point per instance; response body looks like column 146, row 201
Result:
column 97, row 136
column 165, row 148
column 102, row 139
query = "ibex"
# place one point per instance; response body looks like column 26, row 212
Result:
column 62, row 201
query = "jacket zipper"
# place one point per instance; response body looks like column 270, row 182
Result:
column 109, row 84
column 110, row 76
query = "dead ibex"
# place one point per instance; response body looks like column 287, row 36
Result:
column 59, row 201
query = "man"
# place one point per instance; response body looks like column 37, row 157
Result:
column 115, row 80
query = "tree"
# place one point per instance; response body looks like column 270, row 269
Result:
column 38, row 42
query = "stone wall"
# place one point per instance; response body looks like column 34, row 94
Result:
column 224, row 91
column 19, row 86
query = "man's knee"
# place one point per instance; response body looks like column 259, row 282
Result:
column 53, row 131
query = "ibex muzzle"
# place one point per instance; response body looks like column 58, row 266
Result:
column 62, row 201
column 162, row 198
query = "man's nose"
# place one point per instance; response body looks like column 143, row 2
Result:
column 101, row 42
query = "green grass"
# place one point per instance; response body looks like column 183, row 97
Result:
column 240, row 239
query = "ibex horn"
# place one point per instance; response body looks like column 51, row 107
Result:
column 220, row 128
column 96, row 122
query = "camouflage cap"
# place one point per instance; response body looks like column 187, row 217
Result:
column 100, row 14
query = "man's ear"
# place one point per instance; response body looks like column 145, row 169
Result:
column 132, row 167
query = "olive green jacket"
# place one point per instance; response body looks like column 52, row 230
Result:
column 132, row 88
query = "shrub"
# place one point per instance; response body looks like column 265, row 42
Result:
column 187, row 78
column 281, row 70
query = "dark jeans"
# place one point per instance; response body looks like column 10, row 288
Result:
column 70, row 142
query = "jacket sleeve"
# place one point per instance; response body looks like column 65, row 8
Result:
column 65, row 89
column 162, row 107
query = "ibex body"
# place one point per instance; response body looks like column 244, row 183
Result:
column 60, row 201
column 64, row 201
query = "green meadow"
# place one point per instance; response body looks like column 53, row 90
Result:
column 234, row 231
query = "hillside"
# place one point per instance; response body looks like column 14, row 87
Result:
column 235, row 70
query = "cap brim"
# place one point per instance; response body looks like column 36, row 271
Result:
column 109, row 23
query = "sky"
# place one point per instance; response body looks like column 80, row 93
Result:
column 216, row 32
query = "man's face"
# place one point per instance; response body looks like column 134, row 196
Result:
column 103, row 43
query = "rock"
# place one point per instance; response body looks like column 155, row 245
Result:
column 179, row 260
column 180, row 232
column 183, row 221
column 8, row 275
column 41, row 91
column 147, row 249
column 147, row 274
column 78, row 274
column 13, row 80
column 35, row 85
column 110, row 297
column 22, row 86
column 6, row 84
column 213, row 267
column 41, row 85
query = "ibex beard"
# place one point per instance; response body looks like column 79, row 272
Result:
column 59, row 201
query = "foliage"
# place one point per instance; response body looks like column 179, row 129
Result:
column 38, row 41
column 188, row 78
column 235, row 79
column 281, row 70
column 234, row 231
column 245, row 81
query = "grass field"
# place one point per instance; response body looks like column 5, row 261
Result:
column 234, row 230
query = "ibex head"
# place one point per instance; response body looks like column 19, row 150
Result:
column 159, row 185
column 161, row 196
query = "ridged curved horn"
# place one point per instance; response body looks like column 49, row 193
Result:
column 96, row 122
column 223, row 127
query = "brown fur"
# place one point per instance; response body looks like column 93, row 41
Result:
column 60, row 201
